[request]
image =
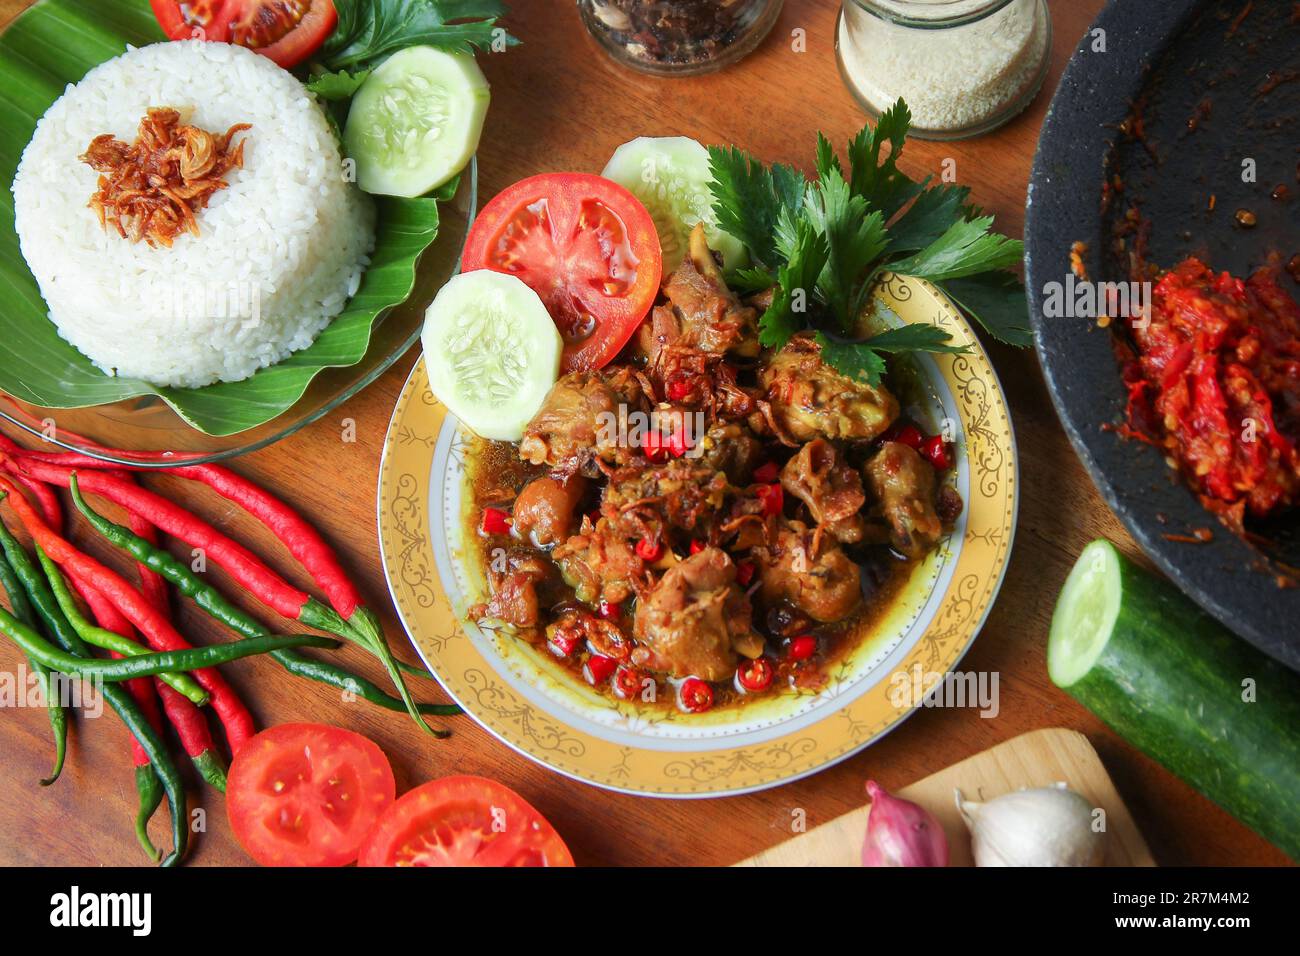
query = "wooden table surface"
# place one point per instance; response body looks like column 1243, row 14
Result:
column 560, row 104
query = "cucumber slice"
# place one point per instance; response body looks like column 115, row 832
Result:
column 416, row 121
column 670, row 175
column 492, row 352
column 1182, row 689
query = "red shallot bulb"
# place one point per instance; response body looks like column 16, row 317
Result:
column 900, row 833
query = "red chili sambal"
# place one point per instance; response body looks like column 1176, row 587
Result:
column 1215, row 382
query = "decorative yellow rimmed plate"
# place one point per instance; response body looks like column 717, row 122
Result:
column 539, row 710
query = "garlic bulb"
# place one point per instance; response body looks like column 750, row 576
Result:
column 1047, row 826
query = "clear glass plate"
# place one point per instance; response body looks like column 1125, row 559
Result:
column 145, row 431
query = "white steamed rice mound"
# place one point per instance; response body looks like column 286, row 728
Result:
column 279, row 252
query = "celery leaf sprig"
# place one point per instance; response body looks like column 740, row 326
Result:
column 823, row 245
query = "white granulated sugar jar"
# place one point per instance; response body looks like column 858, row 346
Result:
column 963, row 66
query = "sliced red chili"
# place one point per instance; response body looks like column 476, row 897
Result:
column 655, row 447
column 495, row 521
column 648, row 550
column 678, row 389
column 677, row 444
column 744, row 573
column 773, row 498
column 697, row 546
column 563, row 643
column 937, row 454
column 766, row 473
column 801, row 648
column 598, row 669
column 908, row 435
column 756, row 675
column 695, row 695
column 609, row 610
column 628, row 682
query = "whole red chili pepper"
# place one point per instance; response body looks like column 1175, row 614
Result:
column 191, row 727
column 244, row 566
column 195, row 736
column 110, row 619
column 303, row 541
column 152, row 584
column 349, row 618
column 151, row 623
column 140, row 689
column 44, row 495
column 105, row 614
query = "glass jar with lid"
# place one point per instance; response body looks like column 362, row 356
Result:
column 963, row 66
column 679, row 37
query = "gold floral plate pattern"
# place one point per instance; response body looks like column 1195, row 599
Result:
column 530, row 704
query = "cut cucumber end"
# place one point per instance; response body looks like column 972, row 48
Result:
column 1085, row 614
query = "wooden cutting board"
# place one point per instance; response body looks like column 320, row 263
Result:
column 1035, row 759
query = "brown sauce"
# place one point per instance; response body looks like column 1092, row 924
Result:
column 497, row 475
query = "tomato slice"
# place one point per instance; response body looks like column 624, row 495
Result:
column 307, row 794
column 287, row 31
column 586, row 246
column 463, row 821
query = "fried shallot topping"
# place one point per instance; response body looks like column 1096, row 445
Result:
column 151, row 189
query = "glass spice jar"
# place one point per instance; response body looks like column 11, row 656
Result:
column 679, row 37
column 964, row 67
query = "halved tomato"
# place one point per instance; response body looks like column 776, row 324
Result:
column 586, row 246
column 463, row 821
column 287, row 31
column 307, row 794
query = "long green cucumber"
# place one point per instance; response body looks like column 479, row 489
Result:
column 1182, row 689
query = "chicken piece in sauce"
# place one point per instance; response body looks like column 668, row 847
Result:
column 731, row 448
column 808, row 399
column 831, row 488
column 810, row 571
column 683, row 493
column 546, row 510
column 711, row 317
column 696, row 621
column 691, row 334
column 600, row 564
column 573, row 426
column 515, row 600
column 903, row 484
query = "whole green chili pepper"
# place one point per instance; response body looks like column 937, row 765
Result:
column 145, row 665
column 22, row 608
column 119, row 698
column 109, row 641
column 211, row 600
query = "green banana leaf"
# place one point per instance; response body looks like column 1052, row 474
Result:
column 56, row 43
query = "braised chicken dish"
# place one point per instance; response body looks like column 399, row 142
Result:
column 703, row 520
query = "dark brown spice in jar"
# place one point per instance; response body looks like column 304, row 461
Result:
column 667, row 35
